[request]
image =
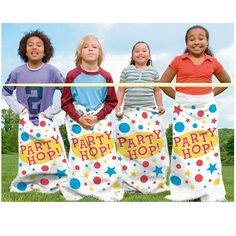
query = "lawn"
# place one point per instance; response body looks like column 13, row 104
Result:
column 9, row 170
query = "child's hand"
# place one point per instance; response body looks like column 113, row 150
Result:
column 161, row 110
column 119, row 113
column 83, row 121
column 24, row 110
column 92, row 120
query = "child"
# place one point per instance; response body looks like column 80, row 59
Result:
column 42, row 160
column 141, row 140
column 92, row 158
column 195, row 163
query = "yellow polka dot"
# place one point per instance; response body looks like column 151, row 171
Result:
column 216, row 181
column 192, row 187
column 116, row 186
column 91, row 189
column 32, row 177
column 160, row 185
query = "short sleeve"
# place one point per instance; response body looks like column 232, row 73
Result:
column 218, row 67
column 174, row 64
column 12, row 79
column 123, row 75
column 156, row 76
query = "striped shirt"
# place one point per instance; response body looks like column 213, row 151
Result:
column 139, row 96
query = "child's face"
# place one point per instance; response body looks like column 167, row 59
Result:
column 90, row 51
column 35, row 49
column 141, row 54
column 197, row 42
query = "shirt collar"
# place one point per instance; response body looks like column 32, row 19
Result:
column 207, row 57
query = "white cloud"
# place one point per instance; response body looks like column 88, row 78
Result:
column 226, row 58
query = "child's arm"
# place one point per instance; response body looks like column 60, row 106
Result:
column 13, row 103
column 120, row 97
column 223, row 77
column 51, row 111
column 167, row 77
column 110, row 101
column 159, row 101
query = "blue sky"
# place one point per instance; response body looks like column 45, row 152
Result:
column 166, row 41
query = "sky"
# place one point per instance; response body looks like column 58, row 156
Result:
column 166, row 41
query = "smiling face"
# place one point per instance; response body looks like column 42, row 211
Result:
column 197, row 42
column 141, row 54
column 35, row 50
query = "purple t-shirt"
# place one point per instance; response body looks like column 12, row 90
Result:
column 35, row 99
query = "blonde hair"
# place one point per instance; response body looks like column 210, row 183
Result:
column 85, row 39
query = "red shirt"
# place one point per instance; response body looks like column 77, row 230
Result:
column 187, row 72
column 67, row 98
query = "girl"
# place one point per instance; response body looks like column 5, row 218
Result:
column 92, row 158
column 195, row 163
column 141, row 140
column 42, row 159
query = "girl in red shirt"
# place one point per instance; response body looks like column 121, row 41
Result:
column 195, row 162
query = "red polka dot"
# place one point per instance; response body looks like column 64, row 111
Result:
column 199, row 163
column 216, row 154
column 162, row 158
column 44, row 168
column 186, row 181
column 64, row 160
column 124, row 167
column 200, row 113
column 114, row 158
column 97, row 165
column 108, row 183
column 154, row 182
column 145, row 164
column 85, row 184
column 132, row 182
column 42, row 123
column 97, row 180
column 44, row 181
column 23, row 172
column 144, row 179
column 144, row 115
column 198, row 178
column 77, row 167
column 178, row 166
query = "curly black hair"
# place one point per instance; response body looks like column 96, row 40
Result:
column 48, row 48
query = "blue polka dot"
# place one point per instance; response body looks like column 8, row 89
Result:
column 137, row 108
column 212, row 108
column 179, row 127
column 124, row 127
column 75, row 183
column 193, row 106
column 24, row 136
column 175, row 180
column 140, row 127
column 154, row 112
column 76, row 129
column 194, row 125
column 38, row 135
column 21, row 186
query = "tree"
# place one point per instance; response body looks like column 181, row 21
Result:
column 10, row 122
column 169, row 138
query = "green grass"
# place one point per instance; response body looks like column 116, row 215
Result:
column 9, row 170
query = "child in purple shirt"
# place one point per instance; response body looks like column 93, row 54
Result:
column 36, row 50
column 42, row 161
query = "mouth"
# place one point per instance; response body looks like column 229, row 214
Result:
column 34, row 53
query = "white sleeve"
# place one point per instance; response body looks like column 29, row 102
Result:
column 13, row 103
column 53, row 110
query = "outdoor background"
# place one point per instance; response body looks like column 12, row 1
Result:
column 128, row 218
